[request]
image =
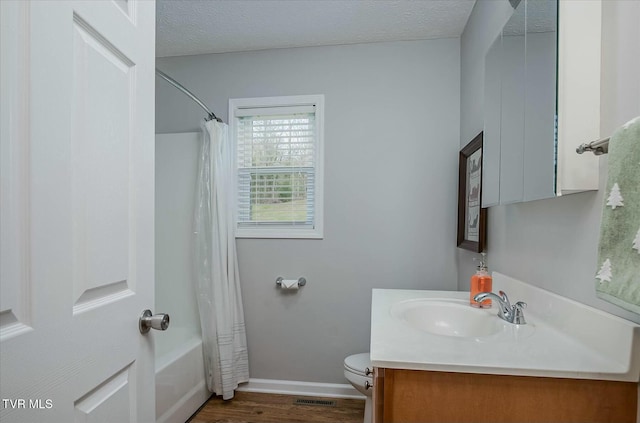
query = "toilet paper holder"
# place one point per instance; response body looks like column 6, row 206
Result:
column 301, row 281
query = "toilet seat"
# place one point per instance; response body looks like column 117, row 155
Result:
column 357, row 364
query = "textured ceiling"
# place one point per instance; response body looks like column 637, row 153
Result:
column 215, row 26
column 541, row 16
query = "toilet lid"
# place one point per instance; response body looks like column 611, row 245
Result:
column 357, row 363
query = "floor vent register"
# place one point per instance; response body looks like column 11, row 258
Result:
column 320, row 403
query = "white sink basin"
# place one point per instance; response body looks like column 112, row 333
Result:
column 439, row 331
column 448, row 317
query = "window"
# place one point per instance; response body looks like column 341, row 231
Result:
column 279, row 166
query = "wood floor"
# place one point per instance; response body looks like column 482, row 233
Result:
column 248, row 407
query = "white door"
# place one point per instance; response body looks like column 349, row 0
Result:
column 76, row 163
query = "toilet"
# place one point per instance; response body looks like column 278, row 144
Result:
column 356, row 368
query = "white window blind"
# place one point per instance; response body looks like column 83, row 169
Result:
column 277, row 159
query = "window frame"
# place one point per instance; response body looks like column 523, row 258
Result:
column 274, row 231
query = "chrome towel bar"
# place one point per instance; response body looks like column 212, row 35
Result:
column 598, row 147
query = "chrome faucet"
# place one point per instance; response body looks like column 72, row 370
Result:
column 510, row 313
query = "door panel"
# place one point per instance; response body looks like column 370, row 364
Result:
column 15, row 301
column 100, row 156
column 77, row 165
column 108, row 402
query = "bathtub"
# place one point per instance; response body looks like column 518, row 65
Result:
column 180, row 383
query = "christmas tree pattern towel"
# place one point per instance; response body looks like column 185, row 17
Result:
column 618, row 275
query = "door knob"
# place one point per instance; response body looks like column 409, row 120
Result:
column 149, row 321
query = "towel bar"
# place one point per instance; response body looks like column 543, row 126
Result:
column 598, row 147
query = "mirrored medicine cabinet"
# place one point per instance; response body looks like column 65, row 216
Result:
column 529, row 134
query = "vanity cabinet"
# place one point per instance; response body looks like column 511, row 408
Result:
column 426, row 396
column 541, row 101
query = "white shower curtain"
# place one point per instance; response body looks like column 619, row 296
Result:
column 216, row 266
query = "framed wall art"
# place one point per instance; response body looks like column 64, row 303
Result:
column 472, row 218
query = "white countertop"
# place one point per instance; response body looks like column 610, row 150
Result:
column 564, row 339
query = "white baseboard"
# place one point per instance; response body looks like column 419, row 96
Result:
column 293, row 387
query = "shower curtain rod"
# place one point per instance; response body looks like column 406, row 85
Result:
column 170, row 80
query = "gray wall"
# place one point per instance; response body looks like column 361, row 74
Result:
column 391, row 151
column 551, row 243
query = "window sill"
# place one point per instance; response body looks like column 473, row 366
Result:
column 279, row 233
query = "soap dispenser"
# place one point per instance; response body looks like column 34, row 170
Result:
column 481, row 282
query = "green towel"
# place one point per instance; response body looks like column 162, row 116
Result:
column 618, row 276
